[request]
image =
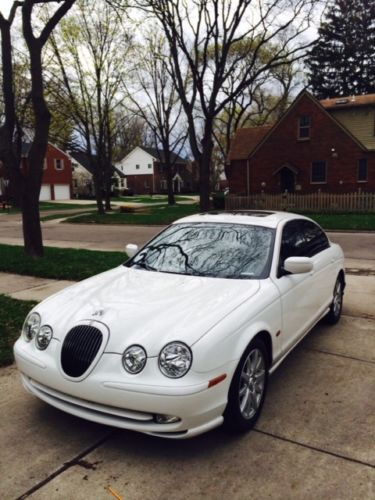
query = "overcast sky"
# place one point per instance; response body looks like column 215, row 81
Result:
column 5, row 6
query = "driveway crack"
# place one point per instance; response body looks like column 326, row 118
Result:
column 77, row 460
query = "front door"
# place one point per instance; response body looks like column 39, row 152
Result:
column 287, row 180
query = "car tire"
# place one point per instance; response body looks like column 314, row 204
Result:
column 335, row 309
column 248, row 389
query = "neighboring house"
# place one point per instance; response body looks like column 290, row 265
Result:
column 57, row 173
column 326, row 146
column 83, row 183
column 145, row 172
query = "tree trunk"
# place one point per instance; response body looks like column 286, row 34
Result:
column 204, row 162
column 32, row 232
column 98, row 186
column 168, row 170
column 10, row 153
column 33, row 175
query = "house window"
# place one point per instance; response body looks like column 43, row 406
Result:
column 137, row 167
column 59, row 164
column 304, row 126
column 362, row 170
column 75, row 183
column 318, row 172
column 163, row 185
column 149, row 165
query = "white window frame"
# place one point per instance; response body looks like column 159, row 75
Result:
column 56, row 160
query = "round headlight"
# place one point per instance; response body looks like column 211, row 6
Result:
column 43, row 337
column 134, row 359
column 175, row 360
column 31, row 326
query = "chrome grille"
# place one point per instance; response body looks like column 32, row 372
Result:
column 79, row 349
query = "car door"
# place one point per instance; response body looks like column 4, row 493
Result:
column 318, row 248
column 297, row 294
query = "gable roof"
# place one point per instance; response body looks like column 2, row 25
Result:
column 245, row 140
column 291, row 107
column 354, row 101
column 84, row 160
column 158, row 154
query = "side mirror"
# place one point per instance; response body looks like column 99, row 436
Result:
column 131, row 249
column 298, row 265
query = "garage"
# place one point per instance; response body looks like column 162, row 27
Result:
column 45, row 192
column 62, row 191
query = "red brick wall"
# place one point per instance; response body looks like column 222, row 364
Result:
column 284, row 147
column 138, row 183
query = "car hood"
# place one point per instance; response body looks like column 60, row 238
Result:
column 145, row 307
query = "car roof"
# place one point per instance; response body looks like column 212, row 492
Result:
column 263, row 218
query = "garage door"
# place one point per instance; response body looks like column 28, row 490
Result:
column 45, row 192
column 62, row 192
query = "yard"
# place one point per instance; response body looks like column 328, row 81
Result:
column 12, row 315
column 59, row 263
column 151, row 215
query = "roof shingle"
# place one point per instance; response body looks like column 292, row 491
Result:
column 245, row 141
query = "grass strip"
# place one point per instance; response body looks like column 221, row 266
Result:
column 158, row 215
column 12, row 315
column 347, row 221
column 59, row 263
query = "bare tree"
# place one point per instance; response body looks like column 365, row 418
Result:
column 157, row 102
column 201, row 33
column 28, row 182
column 90, row 49
column 260, row 103
column 10, row 135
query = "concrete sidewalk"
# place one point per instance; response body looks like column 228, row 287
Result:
column 29, row 287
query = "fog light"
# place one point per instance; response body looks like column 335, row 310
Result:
column 166, row 419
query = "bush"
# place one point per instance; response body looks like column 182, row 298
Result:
column 218, row 201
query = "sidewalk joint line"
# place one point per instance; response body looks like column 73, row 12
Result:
column 315, row 448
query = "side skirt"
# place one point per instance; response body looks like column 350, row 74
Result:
column 278, row 362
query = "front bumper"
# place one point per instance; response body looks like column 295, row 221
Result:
column 110, row 396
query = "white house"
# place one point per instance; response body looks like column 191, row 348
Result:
column 145, row 171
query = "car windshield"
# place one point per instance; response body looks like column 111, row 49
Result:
column 235, row 251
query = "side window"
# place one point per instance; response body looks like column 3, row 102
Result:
column 292, row 242
column 315, row 239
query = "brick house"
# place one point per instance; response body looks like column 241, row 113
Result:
column 57, row 173
column 145, row 172
column 326, row 146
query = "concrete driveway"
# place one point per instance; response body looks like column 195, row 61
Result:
column 315, row 438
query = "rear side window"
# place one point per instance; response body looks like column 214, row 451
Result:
column 315, row 239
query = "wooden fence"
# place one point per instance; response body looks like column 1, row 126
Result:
column 314, row 202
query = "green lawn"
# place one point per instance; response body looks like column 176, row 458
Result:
column 349, row 221
column 157, row 198
column 12, row 315
column 59, row 263
column 158, row 215
column 50, row 205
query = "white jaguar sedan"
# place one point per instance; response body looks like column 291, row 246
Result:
column 183, row 336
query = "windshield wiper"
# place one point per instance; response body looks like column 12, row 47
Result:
column 144, row 265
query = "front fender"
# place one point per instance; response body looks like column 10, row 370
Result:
column 228, row 340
